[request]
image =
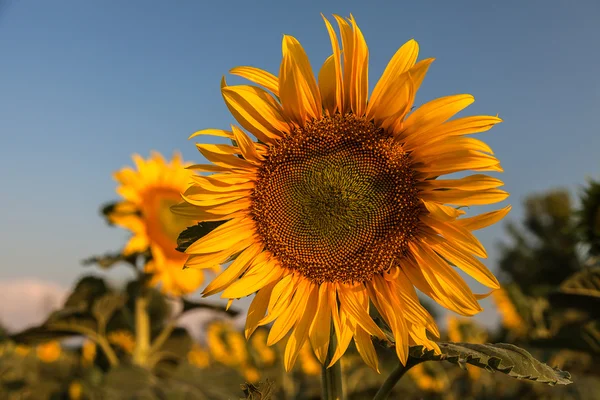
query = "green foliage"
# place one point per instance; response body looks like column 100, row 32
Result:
column 589, row 217
column 505, row 358
column 544, row 252
column 262, row 391
column 193, row 233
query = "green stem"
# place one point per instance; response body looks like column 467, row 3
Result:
column 142, row 331
column 100, row 340
column 331, row 378
column 385, row 390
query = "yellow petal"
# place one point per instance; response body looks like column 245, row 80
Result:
column 327, row 82
column 319, row 331
column 458, row 161
column 258, row 76
column 246, row 146
column 442, row 212
column 359, row 77
column 465, row 197
column 298, row 89
column 468, row 264
column 289, row 316
column 212, row 132
column 349, row 303
column 471, row 182
column 223, row 236
column 224, row 160
column 365, row 348
column 256, row 111
column 456, row 127
column 260, row 277
column 444, row 281
column 257, row 309
column 337, row 63
column 452, row 144
column 435, row 113
column 402, row 61
column 455, row 233
column 300, row 332
column 483, row 220
column 233, row 271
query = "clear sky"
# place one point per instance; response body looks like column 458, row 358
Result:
column 84, row 84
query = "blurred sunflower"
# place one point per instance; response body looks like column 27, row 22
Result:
column 228, row 346
column 198, row 356
column 149, row 192
column 430, row 377
column 123, row 339
column 88, row 353
column 338, row 204
column 511, row 319
column 48, row 352
column 265, row 354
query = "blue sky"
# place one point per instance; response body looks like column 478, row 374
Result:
column 86, row 84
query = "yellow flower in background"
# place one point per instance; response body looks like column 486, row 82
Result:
column 467, row 331
column 48, row 352
column 198, row 356
column 75, row 391
column 339, row 205
column 124, row 339
column 149, row 192
column 308, row 363
column 265, row 353
column 88, row 353
column 226, row 345
column 430, row 377
column 22, row 350
column 508, row 313
column 251, row 374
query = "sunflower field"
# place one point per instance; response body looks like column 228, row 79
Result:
column 320, row 236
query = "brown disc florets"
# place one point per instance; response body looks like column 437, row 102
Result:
column 336, row 200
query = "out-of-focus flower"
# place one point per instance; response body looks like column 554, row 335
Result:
column 308, row 362
column 149, row 192
column 88, row 353
column 22, row 350
column 48, row 352
column 511, row 319
column 429, row 377
column 198, row 356
column 75, row 391
column 339, row 206
column 124, row 339
column 266, row 354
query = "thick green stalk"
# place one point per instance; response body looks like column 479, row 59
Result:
column 142, row 331
column 331, row 378
column 385, row 390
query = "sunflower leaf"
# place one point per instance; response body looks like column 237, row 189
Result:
column 193, row 233
column 104, row 307
column 262, row 391
column 502, row 357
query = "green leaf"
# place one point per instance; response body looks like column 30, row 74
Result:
column 86, row 291
column 195, row 305
column 262, row 391
column 104, row 307
column 193, row 233
column 502, row 357
column 109, row 260
column 128, row 382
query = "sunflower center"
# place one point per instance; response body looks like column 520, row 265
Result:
column 336, row 200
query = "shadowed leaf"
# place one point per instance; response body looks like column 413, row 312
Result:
column 506, row 358
column 193, row 233
column 262, row 391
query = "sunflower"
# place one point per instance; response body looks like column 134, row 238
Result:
column 339, row 206
column 149, row 193
column 466, row 330
column 511, row 319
